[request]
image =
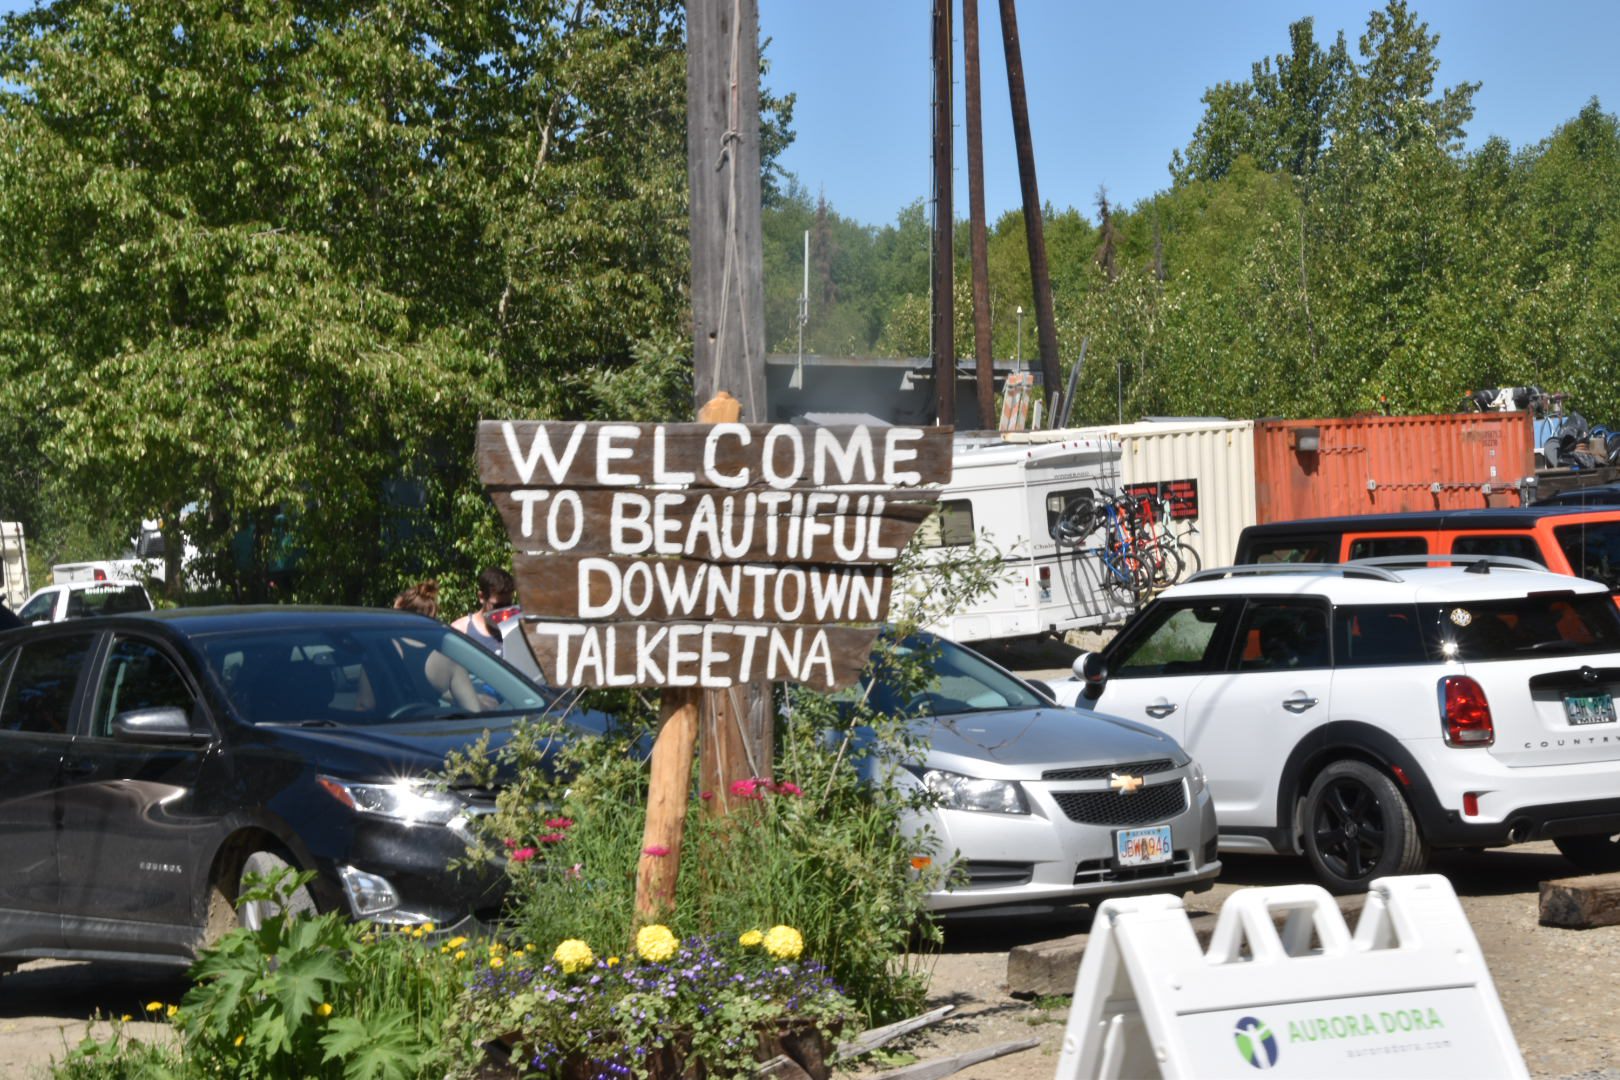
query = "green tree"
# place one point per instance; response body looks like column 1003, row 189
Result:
column 280, row 258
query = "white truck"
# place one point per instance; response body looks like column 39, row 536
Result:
column 14, row 588
column 143, row 563
column 1007, row 496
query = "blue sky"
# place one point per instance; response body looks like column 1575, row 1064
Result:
column 1114, row 88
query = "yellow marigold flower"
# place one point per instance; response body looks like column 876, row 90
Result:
column 496, row 948
column 613, row 961
column 529, row 947
column 126, row 1018
column 574, row 956
column 461, row 954
column 784, row 942
column 751, row 939
column 154, row 1006
column 324, row 1009
column 171, row 1010
column 455, row 942
column 496, row 962
column 239, row 1040
column 656, row 943
column 427, row 928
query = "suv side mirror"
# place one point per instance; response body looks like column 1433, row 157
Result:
column 1091, row 668
column 165, row 724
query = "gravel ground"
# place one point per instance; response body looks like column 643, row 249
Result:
column 1554, row 984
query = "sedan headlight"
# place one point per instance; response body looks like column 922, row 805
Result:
column 958, row 792
column 410, row 801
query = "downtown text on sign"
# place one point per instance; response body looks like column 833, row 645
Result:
column 707, row 555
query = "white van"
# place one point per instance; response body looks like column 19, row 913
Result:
column 1009, row 496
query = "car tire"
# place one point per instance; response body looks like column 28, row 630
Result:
column 1593, row 854
column 1358, row 827
column 253, row 914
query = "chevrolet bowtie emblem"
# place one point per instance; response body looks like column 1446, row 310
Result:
column 1124, row 783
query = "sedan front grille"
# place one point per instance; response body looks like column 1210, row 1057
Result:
column 1103, row 871
column 1156, row 802
column 1103, row 772
column 981, row 874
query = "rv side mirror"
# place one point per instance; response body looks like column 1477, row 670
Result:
column 1090, row 668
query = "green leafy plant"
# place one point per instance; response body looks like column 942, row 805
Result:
column 308, row 996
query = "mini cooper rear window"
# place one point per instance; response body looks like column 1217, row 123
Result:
column 1545, row 624
column 1372, row 635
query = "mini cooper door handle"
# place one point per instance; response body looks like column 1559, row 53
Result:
column 1299, row 704
column 1159, row 712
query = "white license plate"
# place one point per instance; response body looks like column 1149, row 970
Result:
column 1589, row 708
column 1143, row 847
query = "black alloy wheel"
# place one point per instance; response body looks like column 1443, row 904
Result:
column 1358, row 828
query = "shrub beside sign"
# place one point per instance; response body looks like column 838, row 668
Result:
column 707, row 555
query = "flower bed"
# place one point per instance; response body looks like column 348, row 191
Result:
column 667, row 1008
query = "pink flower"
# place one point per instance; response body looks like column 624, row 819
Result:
column 747, row 789
column 560, row 823
column 510, row 843
column 657, row 851
column 706, row 796
column 553, row 838
column 524, row 854
column 787, row 787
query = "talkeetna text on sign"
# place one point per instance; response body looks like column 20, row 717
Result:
column 703, row 555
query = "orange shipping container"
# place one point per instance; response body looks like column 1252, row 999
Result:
column 1388, row 464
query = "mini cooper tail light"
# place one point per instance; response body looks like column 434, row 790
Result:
column 1465, row 714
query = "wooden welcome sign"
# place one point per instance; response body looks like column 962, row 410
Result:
column 707, row 555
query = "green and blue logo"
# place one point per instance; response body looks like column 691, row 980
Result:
column 1255, row 1042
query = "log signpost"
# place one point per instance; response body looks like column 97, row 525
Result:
column 701, row 557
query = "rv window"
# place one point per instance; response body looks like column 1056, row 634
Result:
column 1377, row 547
column 1518, row 547
column 1076, row 502
column 951, row 526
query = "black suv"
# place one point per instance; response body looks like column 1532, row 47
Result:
column 148, row 762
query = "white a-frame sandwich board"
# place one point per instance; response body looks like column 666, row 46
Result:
column 1407, row 996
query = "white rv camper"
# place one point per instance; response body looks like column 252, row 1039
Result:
column 14, row 587
column 1008, row 496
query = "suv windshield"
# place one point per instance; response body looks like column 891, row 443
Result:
column 106, row 600
column 1537, row 624
column 1593, row 551
column 342, row 676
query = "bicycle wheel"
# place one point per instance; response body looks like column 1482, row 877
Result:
column 1191, row 561
column 1126, row 578
column 1162, row 561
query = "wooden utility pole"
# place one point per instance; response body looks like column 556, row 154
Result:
column 722, row 167
column 728, row 312
column 1034, row 233
column 984, row 366
column 944, row 309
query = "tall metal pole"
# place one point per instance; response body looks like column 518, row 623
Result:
column 1035, row 234
column 944, row 324
column 984, row 367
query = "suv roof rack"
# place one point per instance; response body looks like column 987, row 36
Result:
column 1477, row 564
column 1358, row 568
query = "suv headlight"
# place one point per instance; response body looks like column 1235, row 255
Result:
column 958, row 792
column 411, row 801
column 1199, row 782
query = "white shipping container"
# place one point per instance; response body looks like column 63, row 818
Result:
column 1215, row 456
